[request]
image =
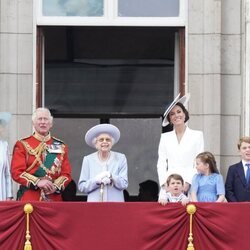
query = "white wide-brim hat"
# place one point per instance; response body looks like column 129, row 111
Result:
column 5, row 118
column 184, row 100
column 104, row 128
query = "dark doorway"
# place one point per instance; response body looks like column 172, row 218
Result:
column 123, row 75
column 109, row 71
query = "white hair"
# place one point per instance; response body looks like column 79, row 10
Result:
column 34, row 115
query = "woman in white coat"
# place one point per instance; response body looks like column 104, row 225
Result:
column 178, row 148
column 5, row 177
column 104, row 173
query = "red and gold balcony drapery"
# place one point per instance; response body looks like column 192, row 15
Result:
column 123, row 226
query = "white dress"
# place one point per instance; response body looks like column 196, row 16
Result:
column 179, row 158
column 5, row 177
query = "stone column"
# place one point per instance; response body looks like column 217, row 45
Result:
column 246, row 118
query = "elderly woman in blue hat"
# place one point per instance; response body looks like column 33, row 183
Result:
column 178, row 148
column 104, row 173
column 5, row 177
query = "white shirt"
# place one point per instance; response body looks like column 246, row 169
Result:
column 245, row 167
column 167, row 196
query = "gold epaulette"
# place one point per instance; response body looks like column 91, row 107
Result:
column 25, row 138
column 58, row 140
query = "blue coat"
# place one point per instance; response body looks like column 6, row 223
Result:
column 91, row 167
column 236, row 185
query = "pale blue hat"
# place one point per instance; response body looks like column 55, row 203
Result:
column 103, row 128
column 5, row 118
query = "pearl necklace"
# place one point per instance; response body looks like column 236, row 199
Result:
column 101, row 159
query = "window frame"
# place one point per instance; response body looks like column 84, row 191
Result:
column 111, row 18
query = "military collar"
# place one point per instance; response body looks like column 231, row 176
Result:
column 41, row 137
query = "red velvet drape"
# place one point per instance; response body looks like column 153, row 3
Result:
column 124, row 226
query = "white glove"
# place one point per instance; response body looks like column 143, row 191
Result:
column 100, row 176
column 106, row 174
column 106, row 181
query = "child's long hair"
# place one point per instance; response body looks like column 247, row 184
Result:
column 207, row 157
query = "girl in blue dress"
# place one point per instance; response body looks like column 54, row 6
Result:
column 207, row 184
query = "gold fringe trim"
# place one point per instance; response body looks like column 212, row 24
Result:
column 191, row 209
column 37, row 152
column 28, row 209
column 59, row 182
column 30, row 178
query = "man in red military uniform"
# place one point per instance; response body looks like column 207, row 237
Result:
column 40, row 162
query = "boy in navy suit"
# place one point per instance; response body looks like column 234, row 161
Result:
column 237, row 183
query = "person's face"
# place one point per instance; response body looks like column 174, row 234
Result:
column 176, row 115
column 104, row 143
column 175, row 187
column 201, row 167
column 245, row 151
column 42, row 123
